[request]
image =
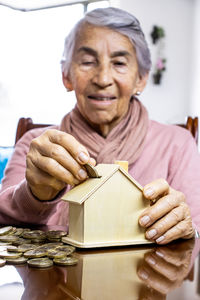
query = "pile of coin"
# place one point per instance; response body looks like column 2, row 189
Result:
column 35, row 247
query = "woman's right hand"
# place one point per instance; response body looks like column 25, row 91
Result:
column 55, row 159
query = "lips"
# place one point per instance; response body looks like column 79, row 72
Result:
column 101, row 97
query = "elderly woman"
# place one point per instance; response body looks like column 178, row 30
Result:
column 106, row 62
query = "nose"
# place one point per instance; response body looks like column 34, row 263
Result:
column 103, row 76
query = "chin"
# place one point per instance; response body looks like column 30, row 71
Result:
column 98, row 121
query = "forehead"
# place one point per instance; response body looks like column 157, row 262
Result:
column 97, row 37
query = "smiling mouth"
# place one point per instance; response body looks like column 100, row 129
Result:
column 102, row 98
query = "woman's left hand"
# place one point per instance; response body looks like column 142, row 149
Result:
column 169, row 218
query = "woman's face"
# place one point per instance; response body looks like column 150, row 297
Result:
column 104, row 75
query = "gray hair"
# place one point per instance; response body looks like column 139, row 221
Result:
column 118, row 20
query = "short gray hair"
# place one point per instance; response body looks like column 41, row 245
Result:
column 118, row 20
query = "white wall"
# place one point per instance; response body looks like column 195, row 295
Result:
column 195, row 62
column 168, row 102
column 31, row 48
column 22, row 72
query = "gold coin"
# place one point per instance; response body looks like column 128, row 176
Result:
column 92, row 172
column 16, row 261
column 8, row 238
column 53, row 253
column 5, row 254
column 18, row 231
column 6, row 230
column 2, row 262
column 40, row 262
column 55, row 234
column 37, row 241
column 12, row 248
column 66, row 261
column 53, row 240
column 12, row 232
column 68, row 249
column 5, row 244
column 49, row 246
column 20, row 241
column 26, row 247
column 3, row 248
column 34, row 234
column 35, row 253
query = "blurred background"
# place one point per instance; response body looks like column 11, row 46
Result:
column 31, row 46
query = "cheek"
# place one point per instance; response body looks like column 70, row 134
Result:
column 127, row 84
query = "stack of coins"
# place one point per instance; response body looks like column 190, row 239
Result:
column 37, row 248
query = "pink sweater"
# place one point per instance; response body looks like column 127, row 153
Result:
column 170, row 152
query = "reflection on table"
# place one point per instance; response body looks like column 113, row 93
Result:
column 117, row 273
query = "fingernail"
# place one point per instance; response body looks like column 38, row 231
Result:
column 143, row 274
column 151, row 260
column 144, row 220
column 160, row 239
column 151, row 233
column 82, row 174
column 149, row 192
column 83, row 157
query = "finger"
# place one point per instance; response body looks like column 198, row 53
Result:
column 162, row 267
column 165, row 223
column 176, row 253
column 154, row 279
column 37, row 177
column 182, row 229
column 62, row 156
column 147, row 293
column 175, row 256
column 53, row 168
column 156, row 188
column 92, row 161
column 160, row 208
column 77, row 150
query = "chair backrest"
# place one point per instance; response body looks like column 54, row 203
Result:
column 192, row 124
column 25, row 124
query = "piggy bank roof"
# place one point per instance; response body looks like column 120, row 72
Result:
column 84, row 190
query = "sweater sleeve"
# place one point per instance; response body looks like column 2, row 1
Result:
column 184, row 173
column 17, row 204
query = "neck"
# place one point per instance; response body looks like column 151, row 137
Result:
column 104, row 130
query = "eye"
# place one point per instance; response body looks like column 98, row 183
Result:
column 119, row 63
column 88, row 63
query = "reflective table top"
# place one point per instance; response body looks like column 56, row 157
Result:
column 153, row 272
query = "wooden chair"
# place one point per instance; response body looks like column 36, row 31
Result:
column 26, row 124
column 192, row 124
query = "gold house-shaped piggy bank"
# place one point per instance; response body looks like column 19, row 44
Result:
column 104, row 211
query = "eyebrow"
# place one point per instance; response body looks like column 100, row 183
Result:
column 120, row 53
column 88, row 50
column 94, row 53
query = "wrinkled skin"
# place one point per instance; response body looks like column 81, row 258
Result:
column 169, row 218
column 55, row 159
column 104, row 75
column 164, row 269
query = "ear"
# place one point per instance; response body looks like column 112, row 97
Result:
column 140, row 83
column 67, row 82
